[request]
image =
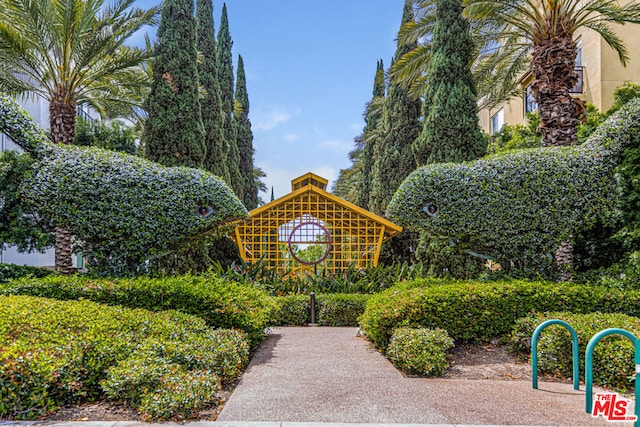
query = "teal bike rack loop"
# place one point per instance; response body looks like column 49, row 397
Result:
column 574, row 348
column 588, row 375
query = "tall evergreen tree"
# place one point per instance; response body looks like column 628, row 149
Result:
column 225, row 77
column 393, row 159
column 245, row 139
column 451, row 132
column 174, row 133
column 368, row 139
column 212, row 115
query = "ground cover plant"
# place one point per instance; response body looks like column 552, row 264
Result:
column 612, row 357
column 220, row 303
column 59, row 352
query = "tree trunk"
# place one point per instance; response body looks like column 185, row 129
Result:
column 564, row 259
column 552, row 64
column 62, row 119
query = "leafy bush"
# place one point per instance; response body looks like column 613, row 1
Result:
column 121, row 208
column 613, row 365
column 13, row 271
column 518, row 207
column 476, row 311
column 420, row 351
column 220, row 303
column 331, row 309
column 160, row 390
column 514, row 137
column 58, row 352
column 340, row 309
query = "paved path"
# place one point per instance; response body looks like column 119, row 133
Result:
column 306, row 374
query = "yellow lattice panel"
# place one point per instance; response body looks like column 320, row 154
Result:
column 313, row 230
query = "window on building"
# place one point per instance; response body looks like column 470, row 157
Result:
column 497, row 121
column 530, row 105
column 579, row 53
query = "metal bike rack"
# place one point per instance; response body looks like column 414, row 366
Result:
column 574, row 348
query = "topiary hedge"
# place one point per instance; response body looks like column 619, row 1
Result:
column 613, row 365
column 519, row 205
column 13, row 271
column 122, row 209
column 477, row 311
column 220, row 303
column 331, row 309
column 60, row 352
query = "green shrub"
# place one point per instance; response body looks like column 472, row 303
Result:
column 220, row 303
column 161, row 390
column 476, row 311
column 331, row 309
column 13, row 271
column 613, row 365
column 518, row 207
column 420, row 351
column 58, row 352
column 122, row 209
column 340, row 309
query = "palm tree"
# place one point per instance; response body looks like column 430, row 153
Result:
column 513, row 35
column 72, row 52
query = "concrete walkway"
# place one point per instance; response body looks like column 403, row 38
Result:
column 331, row 375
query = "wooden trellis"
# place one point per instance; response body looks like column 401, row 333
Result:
column 312, row 229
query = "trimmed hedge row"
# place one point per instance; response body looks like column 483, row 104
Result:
column 612, row 357
column 220, row 303
column 331, row 309
column 476, row 311
column 58, row 352
column 13, row 271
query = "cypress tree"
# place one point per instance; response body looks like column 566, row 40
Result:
column 225, row 77
column 245, row 139
column 212, row 115
column 174, row 133
column 393, row 159
column 451, row 132
column 368, row 139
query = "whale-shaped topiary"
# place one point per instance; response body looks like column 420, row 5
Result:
column 121, row 209
column 519, row 205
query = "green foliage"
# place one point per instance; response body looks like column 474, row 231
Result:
column 352, row 280
column 451, row 132
column 211, row 102
column 514, row 137
column 220, row 303
column 110, row 136
column 420, row 351
column 613, row 365
column 516, row 208
column 476, row 311
column 174, row 133
column 445, row 259
column 59, row 352
column 121, row 208
column 19, row 225
column 225, row 78
column 399, row 126
column 249, row 194
column 13, row 271
column 331, row 309
column 18, row 125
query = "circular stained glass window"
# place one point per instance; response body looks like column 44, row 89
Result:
column 309, row 243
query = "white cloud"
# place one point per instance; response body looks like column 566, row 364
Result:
column 269, row 118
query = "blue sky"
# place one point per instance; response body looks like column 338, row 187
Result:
column 310, row 67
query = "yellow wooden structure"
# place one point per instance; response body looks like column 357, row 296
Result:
column 312, row 229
